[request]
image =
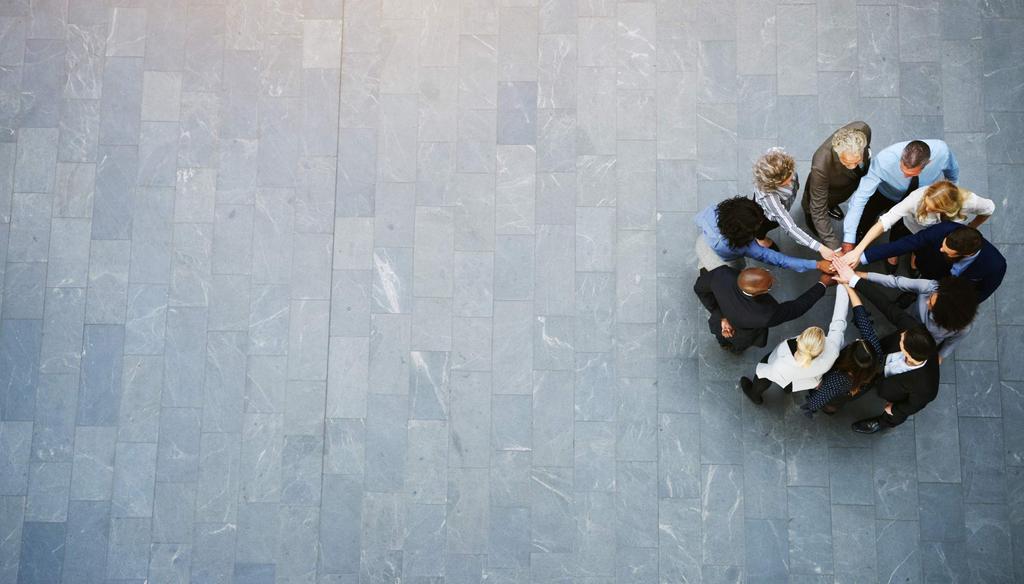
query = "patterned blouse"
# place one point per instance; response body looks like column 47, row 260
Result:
column 836, row 383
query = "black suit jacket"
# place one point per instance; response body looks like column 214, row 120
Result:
column 750, row 316
column 986, row 272
column 911, row 391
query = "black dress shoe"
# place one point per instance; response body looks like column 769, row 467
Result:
column 868, row 426
column 836, row 213
column 748, row 390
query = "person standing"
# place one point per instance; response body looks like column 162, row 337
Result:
column 836, row 169
column 798, row 363
column 742, row 310
column 775, row 186
column 727, row 235
column 941, row 201
column 895, row 172
column 946, row 249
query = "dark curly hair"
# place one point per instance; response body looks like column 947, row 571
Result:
column 956, row 304
column 738, row 220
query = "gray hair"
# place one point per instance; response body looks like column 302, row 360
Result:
column 849, row 141
column 772, row 169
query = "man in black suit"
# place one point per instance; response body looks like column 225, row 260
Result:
column 742, row 310
column 949, row 248
column 909, row 376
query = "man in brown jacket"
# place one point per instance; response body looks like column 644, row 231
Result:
column 836, row 169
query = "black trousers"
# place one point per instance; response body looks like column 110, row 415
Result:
column 876, row 205
column 761, row 385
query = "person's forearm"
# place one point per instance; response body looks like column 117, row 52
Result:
column 874, row 233
column 978, row 220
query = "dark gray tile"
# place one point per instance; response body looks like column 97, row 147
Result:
column 941, row 512
column 895, row 474
column 850, row 476
column 128, row 550
column 898, row 551
column 99, row 392
column 982, row 454
column 173, row 506
column 988, row 545
column 938, row 440
column 42, row 552
column 767, row 548
column 977, row 389
column 20, row 343
column 509, row 537
column 853, row 541
column 722, row 515
column 85, row 549
column 339, row 523
column 92, row 472
column 810, row 530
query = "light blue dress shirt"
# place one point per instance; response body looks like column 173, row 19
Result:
column 885, row 176
column 896, row 363
column 959, row 266
column 707, row 221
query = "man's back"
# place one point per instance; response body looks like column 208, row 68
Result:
column 742, row 310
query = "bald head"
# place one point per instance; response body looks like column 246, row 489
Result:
column 755, row 281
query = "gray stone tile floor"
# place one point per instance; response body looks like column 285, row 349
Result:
column 339, row 291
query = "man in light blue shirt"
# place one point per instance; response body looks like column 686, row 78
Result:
column 896, row 172
column 727, row 236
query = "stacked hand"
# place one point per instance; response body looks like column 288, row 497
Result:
column 826, row 267
column 827, row 254
column 844, row 273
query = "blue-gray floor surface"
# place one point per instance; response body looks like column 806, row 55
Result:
column 312, row 291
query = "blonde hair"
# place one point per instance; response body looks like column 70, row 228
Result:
column 809, row 345
column 772, row 169
column 849, row 141
column 944, row 198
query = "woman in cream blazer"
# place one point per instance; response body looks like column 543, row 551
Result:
column 801, row 361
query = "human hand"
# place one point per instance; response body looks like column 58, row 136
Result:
column 847, row 247
column 825, row 267
column 888, row 408
column 827, row 280
column 844, row 273
column 827, row 253
column 940, row 360
column 727, row 330
column 852, row 258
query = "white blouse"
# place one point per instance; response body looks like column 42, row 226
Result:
column 907, row 210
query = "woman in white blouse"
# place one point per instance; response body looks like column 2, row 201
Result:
column 940, row 201
column 802, row 360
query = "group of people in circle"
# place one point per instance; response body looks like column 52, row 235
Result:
column 909, row 190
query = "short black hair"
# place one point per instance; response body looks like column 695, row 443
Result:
column 964, row 240
column 916, row 153
column 738, row 220
column 956, row 304
column 918, row 342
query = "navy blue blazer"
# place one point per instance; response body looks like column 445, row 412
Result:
column 986, row 271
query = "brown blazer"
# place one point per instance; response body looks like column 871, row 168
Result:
column 829, row 184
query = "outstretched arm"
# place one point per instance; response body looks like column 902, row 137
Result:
column 897, row 248
column 770, row 256
column 865, row 189
column 863, row 321
column 798, row 306
column 915, row 285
